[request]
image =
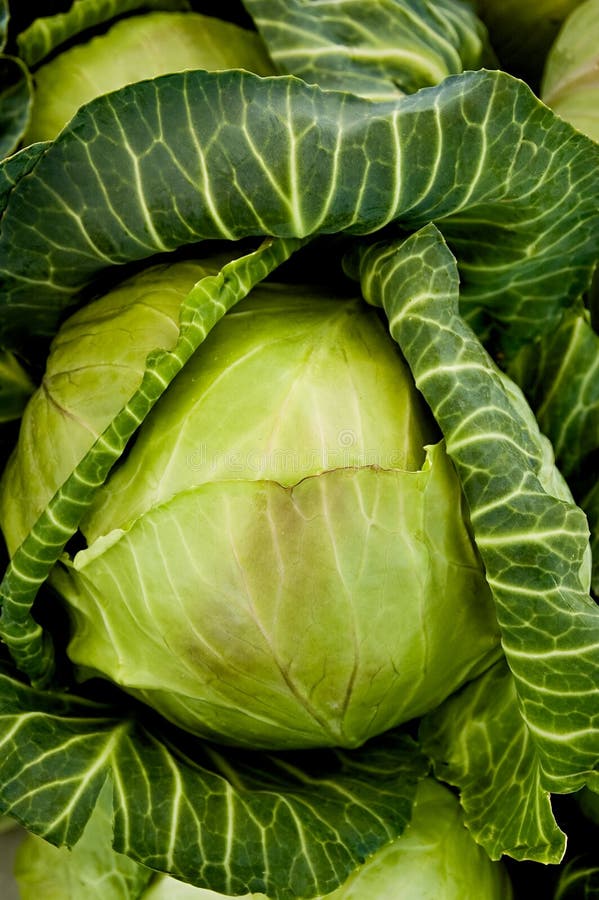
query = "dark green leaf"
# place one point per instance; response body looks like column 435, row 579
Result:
column 3, row 23
column 376, row 50
column 560, row 377
column 90, row 870
column 15, row 387
column 198, row 155
column 15, row 168
column 590, row 503
column 15, row 103
column 290, row 825
column 67, row 743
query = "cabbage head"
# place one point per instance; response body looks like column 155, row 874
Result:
column 283, row 559
column 135, row 48
column 570, row 84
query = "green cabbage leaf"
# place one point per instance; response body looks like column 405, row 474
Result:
column 47, row 33
column 533, row 542
column 246, row 813
column 378, row 51
column 199, row 155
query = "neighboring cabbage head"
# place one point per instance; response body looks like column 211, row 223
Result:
column 570, row 83
column 133, row 49
column 283, row 559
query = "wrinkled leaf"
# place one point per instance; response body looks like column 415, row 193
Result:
column 15, row 103
column 479, row 742
column 560, row 376
column 91, row 869
column 533, row 544
column 292, row 825
column 377, row 50
column 199, row 155
column 46, row 33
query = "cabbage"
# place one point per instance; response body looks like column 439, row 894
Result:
column 133, row 49
column 282, row 546
column 286, row 548
column 570, row 82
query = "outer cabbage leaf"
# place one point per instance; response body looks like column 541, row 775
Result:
column 15, row 168
column 15, row 103
column 3, row 22
column 15, row 387
column 590, row 504
column 46, row 33
column 534, row 545
column 560, row 376
column 294, row 825
column 377, row 50
column 579, row 880
column 91, row 869
column 435, row 853
column 479, row 742
column 199, row 155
